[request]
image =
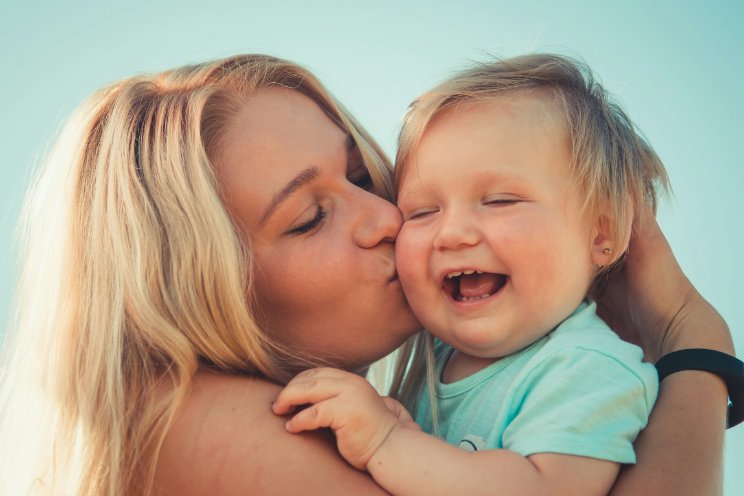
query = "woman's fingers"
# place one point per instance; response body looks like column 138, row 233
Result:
column 650, row 301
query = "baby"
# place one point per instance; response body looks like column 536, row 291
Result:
column 518, row 182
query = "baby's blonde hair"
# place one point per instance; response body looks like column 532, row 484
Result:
column 613, row 166
column 134, row 276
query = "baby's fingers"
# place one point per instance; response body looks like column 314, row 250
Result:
column 301, row 391
column 314, row 385
column 313, row 417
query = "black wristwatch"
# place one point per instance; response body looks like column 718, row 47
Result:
column 727, row 367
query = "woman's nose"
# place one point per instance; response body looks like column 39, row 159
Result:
column 456, row 230
column 378, row 221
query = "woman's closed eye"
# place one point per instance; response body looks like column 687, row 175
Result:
column 310, row 225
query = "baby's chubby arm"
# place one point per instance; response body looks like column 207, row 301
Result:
column 377, row 434
column 360, row 418
column 415, row 463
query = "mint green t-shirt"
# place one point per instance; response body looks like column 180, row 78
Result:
column 580, row 390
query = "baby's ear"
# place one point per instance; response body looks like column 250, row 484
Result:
column 606, row 248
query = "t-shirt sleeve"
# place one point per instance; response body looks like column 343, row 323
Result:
column 581, row 402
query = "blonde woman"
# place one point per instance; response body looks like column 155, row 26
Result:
column 198, row 236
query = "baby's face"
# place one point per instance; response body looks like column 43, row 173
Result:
column 494, row 251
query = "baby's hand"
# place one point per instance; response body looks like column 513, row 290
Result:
column 348, row 404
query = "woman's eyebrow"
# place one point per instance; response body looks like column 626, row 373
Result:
column 298, row 181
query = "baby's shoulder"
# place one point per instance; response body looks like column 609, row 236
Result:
column 592, row 353
column 591, row 336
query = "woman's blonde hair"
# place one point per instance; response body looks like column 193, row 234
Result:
column 134, row 275
column 615, row 169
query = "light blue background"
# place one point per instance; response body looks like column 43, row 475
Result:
column 677, row 66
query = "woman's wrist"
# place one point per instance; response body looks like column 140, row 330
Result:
column 726, row 367
column 696, row 325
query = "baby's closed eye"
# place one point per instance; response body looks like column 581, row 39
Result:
column 419, row 213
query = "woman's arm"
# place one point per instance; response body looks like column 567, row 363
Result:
column 652, row 303
column 225, row 440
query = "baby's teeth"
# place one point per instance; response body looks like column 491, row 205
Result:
column 473, row 298
column 465, row 272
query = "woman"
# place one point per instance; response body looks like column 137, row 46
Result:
column 200, row 235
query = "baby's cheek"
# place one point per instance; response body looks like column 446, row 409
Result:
column 411, row 259
column 405, row 242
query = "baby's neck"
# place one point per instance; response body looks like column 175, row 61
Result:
column 460, row 365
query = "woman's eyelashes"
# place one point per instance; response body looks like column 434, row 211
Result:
column 359, row 177
column 310, row 225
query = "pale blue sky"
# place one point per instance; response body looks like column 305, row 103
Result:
column 675, row 65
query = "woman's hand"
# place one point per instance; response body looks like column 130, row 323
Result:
column 651, row 303
column 359, row 417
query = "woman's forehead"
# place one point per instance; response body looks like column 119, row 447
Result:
column 277, row 134
column 282, row 118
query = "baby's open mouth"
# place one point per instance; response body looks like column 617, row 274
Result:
column 471, row 285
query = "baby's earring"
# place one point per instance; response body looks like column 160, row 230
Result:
column 605, row 251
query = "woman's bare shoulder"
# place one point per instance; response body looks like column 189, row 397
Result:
column 225, row 440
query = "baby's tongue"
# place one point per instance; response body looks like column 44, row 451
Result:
column 473, row 285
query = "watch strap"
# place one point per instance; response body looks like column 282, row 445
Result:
column 727, row 367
